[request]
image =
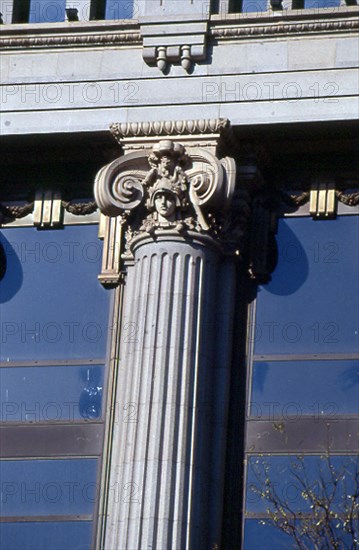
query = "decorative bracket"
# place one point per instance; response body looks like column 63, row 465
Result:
column 47, row 209
column 110, row 230
column 323, row 200
column 174, row 42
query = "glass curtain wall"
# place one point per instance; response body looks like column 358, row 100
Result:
column 303, row 386
column 55, row 336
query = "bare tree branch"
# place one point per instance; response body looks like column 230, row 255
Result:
column 329, row 514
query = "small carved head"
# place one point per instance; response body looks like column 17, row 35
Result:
column 166, row 163
column 166, row 155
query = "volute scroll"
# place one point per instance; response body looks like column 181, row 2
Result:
column 194, row 181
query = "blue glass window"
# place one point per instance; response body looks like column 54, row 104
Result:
column 54, row 335
column 47, row 11
column 52, row 305
column 264, row 537
column 286, row 474
column 305, row 334
column 56, row 393
column 254, row 6
column 317, row 388
column 48, row 487
column 310, row 306
column 67, row 535
column 321, row 4
column 298, row 486
column 268, row 537
column 119, row 9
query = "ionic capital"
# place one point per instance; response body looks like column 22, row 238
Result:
column 178, row 183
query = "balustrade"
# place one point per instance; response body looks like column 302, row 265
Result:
column 53, row 11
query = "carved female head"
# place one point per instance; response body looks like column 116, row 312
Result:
column 165, row 204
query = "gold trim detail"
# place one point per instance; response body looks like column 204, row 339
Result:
column 323, row 201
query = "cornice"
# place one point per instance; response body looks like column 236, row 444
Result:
column 268, row 24
column 67, row 35
column 284, row 29
column 221, row 27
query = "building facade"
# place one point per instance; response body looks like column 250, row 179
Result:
column 178, row 274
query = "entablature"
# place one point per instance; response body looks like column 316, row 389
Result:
column 215, row 27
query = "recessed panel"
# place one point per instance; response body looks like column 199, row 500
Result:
column 295, row 433
column 51, row 440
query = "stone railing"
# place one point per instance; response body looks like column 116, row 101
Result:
column 56, row 11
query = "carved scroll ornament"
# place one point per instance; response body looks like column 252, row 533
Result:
column 169, row 189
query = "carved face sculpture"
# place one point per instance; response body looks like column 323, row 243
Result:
column 165, row 204
column 165, row 164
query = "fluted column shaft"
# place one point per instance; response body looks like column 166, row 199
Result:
column 168, row 455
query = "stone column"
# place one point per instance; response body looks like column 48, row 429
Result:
column 167, row 458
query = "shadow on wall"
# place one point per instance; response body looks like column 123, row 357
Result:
column 11, row 272
column 292, row 268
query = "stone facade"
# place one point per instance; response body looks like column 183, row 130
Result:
column 224, row 122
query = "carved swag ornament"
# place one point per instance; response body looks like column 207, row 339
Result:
column 169, row 189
